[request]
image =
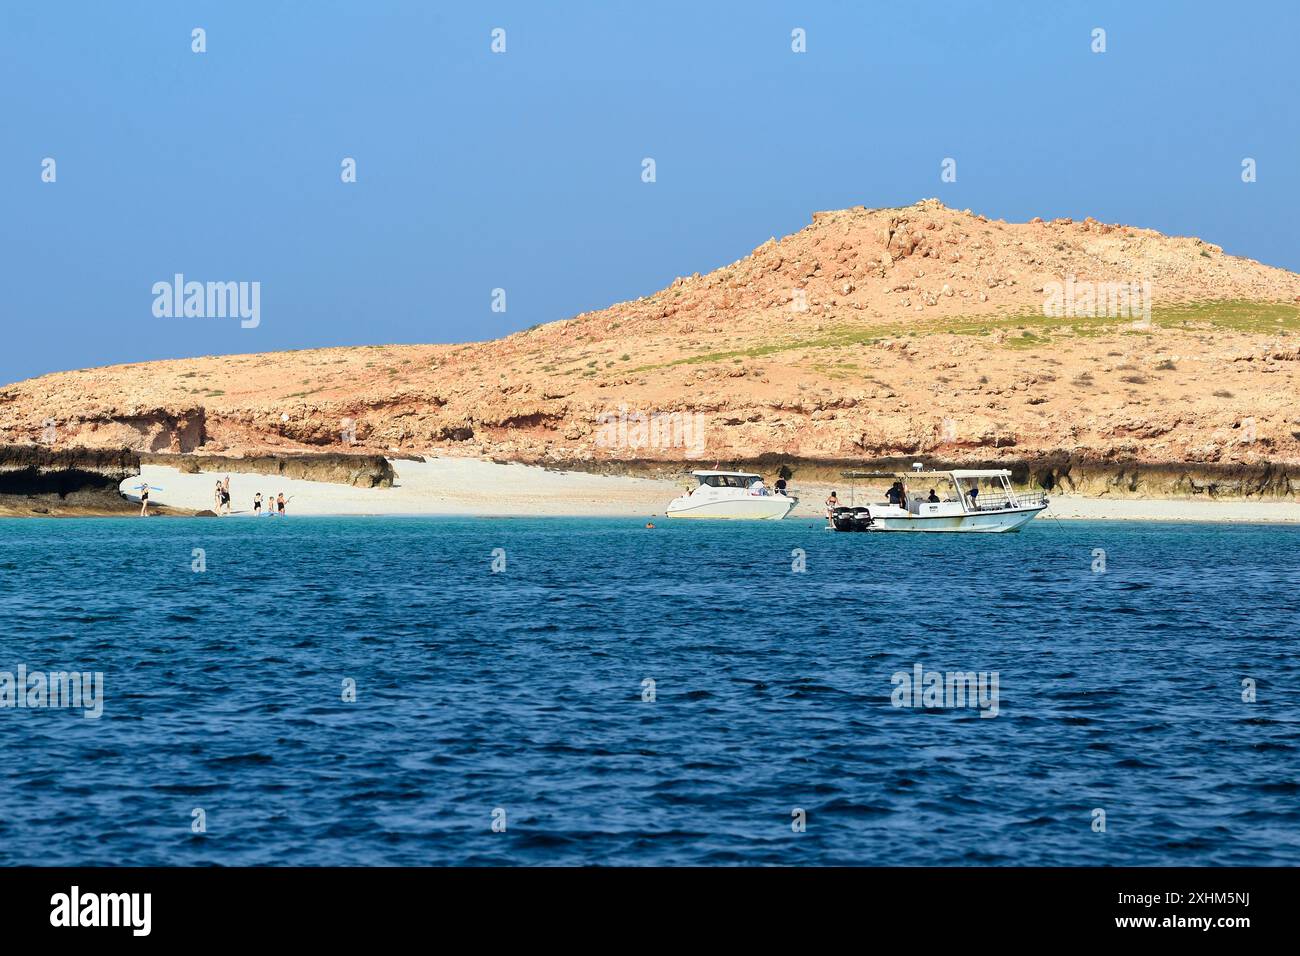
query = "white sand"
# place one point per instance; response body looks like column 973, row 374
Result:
column 466, row 486
column 1174, row 509
column 449, row 486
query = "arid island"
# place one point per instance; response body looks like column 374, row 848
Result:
column 1128, row 373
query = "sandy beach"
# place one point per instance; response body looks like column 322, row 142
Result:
column 465, row 486
column 437, row 486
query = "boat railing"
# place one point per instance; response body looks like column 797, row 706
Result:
column 1001, row 501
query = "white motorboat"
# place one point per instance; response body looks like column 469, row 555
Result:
column 731, row 494
column 976, row 500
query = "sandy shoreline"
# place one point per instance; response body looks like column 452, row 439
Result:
column 463, row 486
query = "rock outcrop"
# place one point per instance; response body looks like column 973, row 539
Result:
column 64, row 481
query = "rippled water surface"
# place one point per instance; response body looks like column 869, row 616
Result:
column 523, row 690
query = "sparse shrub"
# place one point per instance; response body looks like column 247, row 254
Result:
column 1221, row 393
column 1165, row 365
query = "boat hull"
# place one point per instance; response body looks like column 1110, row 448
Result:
column 752, row 508
column 978, row 522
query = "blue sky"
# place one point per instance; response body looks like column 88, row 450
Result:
column 522, row 170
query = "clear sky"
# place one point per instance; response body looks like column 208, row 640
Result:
column 523, row 170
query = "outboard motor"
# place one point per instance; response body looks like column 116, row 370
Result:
column 861, row 519
column 842, row 519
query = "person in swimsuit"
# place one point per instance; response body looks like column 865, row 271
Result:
column 144, row 500
column 216, row 498
column 225, row 494
column 832, row 503
column 257, row 504
column 279, row 503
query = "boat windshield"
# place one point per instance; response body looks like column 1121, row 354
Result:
column 728, row 481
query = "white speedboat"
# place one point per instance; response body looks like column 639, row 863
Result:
column 730, row 494
column 964, row 500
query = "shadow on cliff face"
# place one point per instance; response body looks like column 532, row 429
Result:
column 35, row 479
column 360, row 471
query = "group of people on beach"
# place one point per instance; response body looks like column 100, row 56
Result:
column 273, row 505
column 221, row 500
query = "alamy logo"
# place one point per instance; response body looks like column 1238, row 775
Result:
column 56, row 689
column 102, row 909
column 637, row 429
column 1091, row 300
column 208, row 300
column 937, row 689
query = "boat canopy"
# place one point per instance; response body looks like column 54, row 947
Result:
column 957, row 473
column 728, row 474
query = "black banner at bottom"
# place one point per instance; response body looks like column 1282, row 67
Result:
column 606, row 905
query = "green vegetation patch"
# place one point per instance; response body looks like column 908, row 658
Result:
column 1025, row 330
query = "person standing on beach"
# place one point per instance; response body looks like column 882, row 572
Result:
column 216, row 497
column 279, row 504
column 144, row 500
column 225, row 494
column 257, row 505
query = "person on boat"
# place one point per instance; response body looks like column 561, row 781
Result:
column 973, row 495
column 832, row 503
column 897, row 494
column 144, row 500
column 780, row 486
column 933, row 496
column 758, row 488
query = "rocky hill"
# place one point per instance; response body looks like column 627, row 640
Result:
column 870, row 333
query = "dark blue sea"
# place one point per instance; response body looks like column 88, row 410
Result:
column 520, row 697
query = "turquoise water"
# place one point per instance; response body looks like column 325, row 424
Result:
column 524, row 691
